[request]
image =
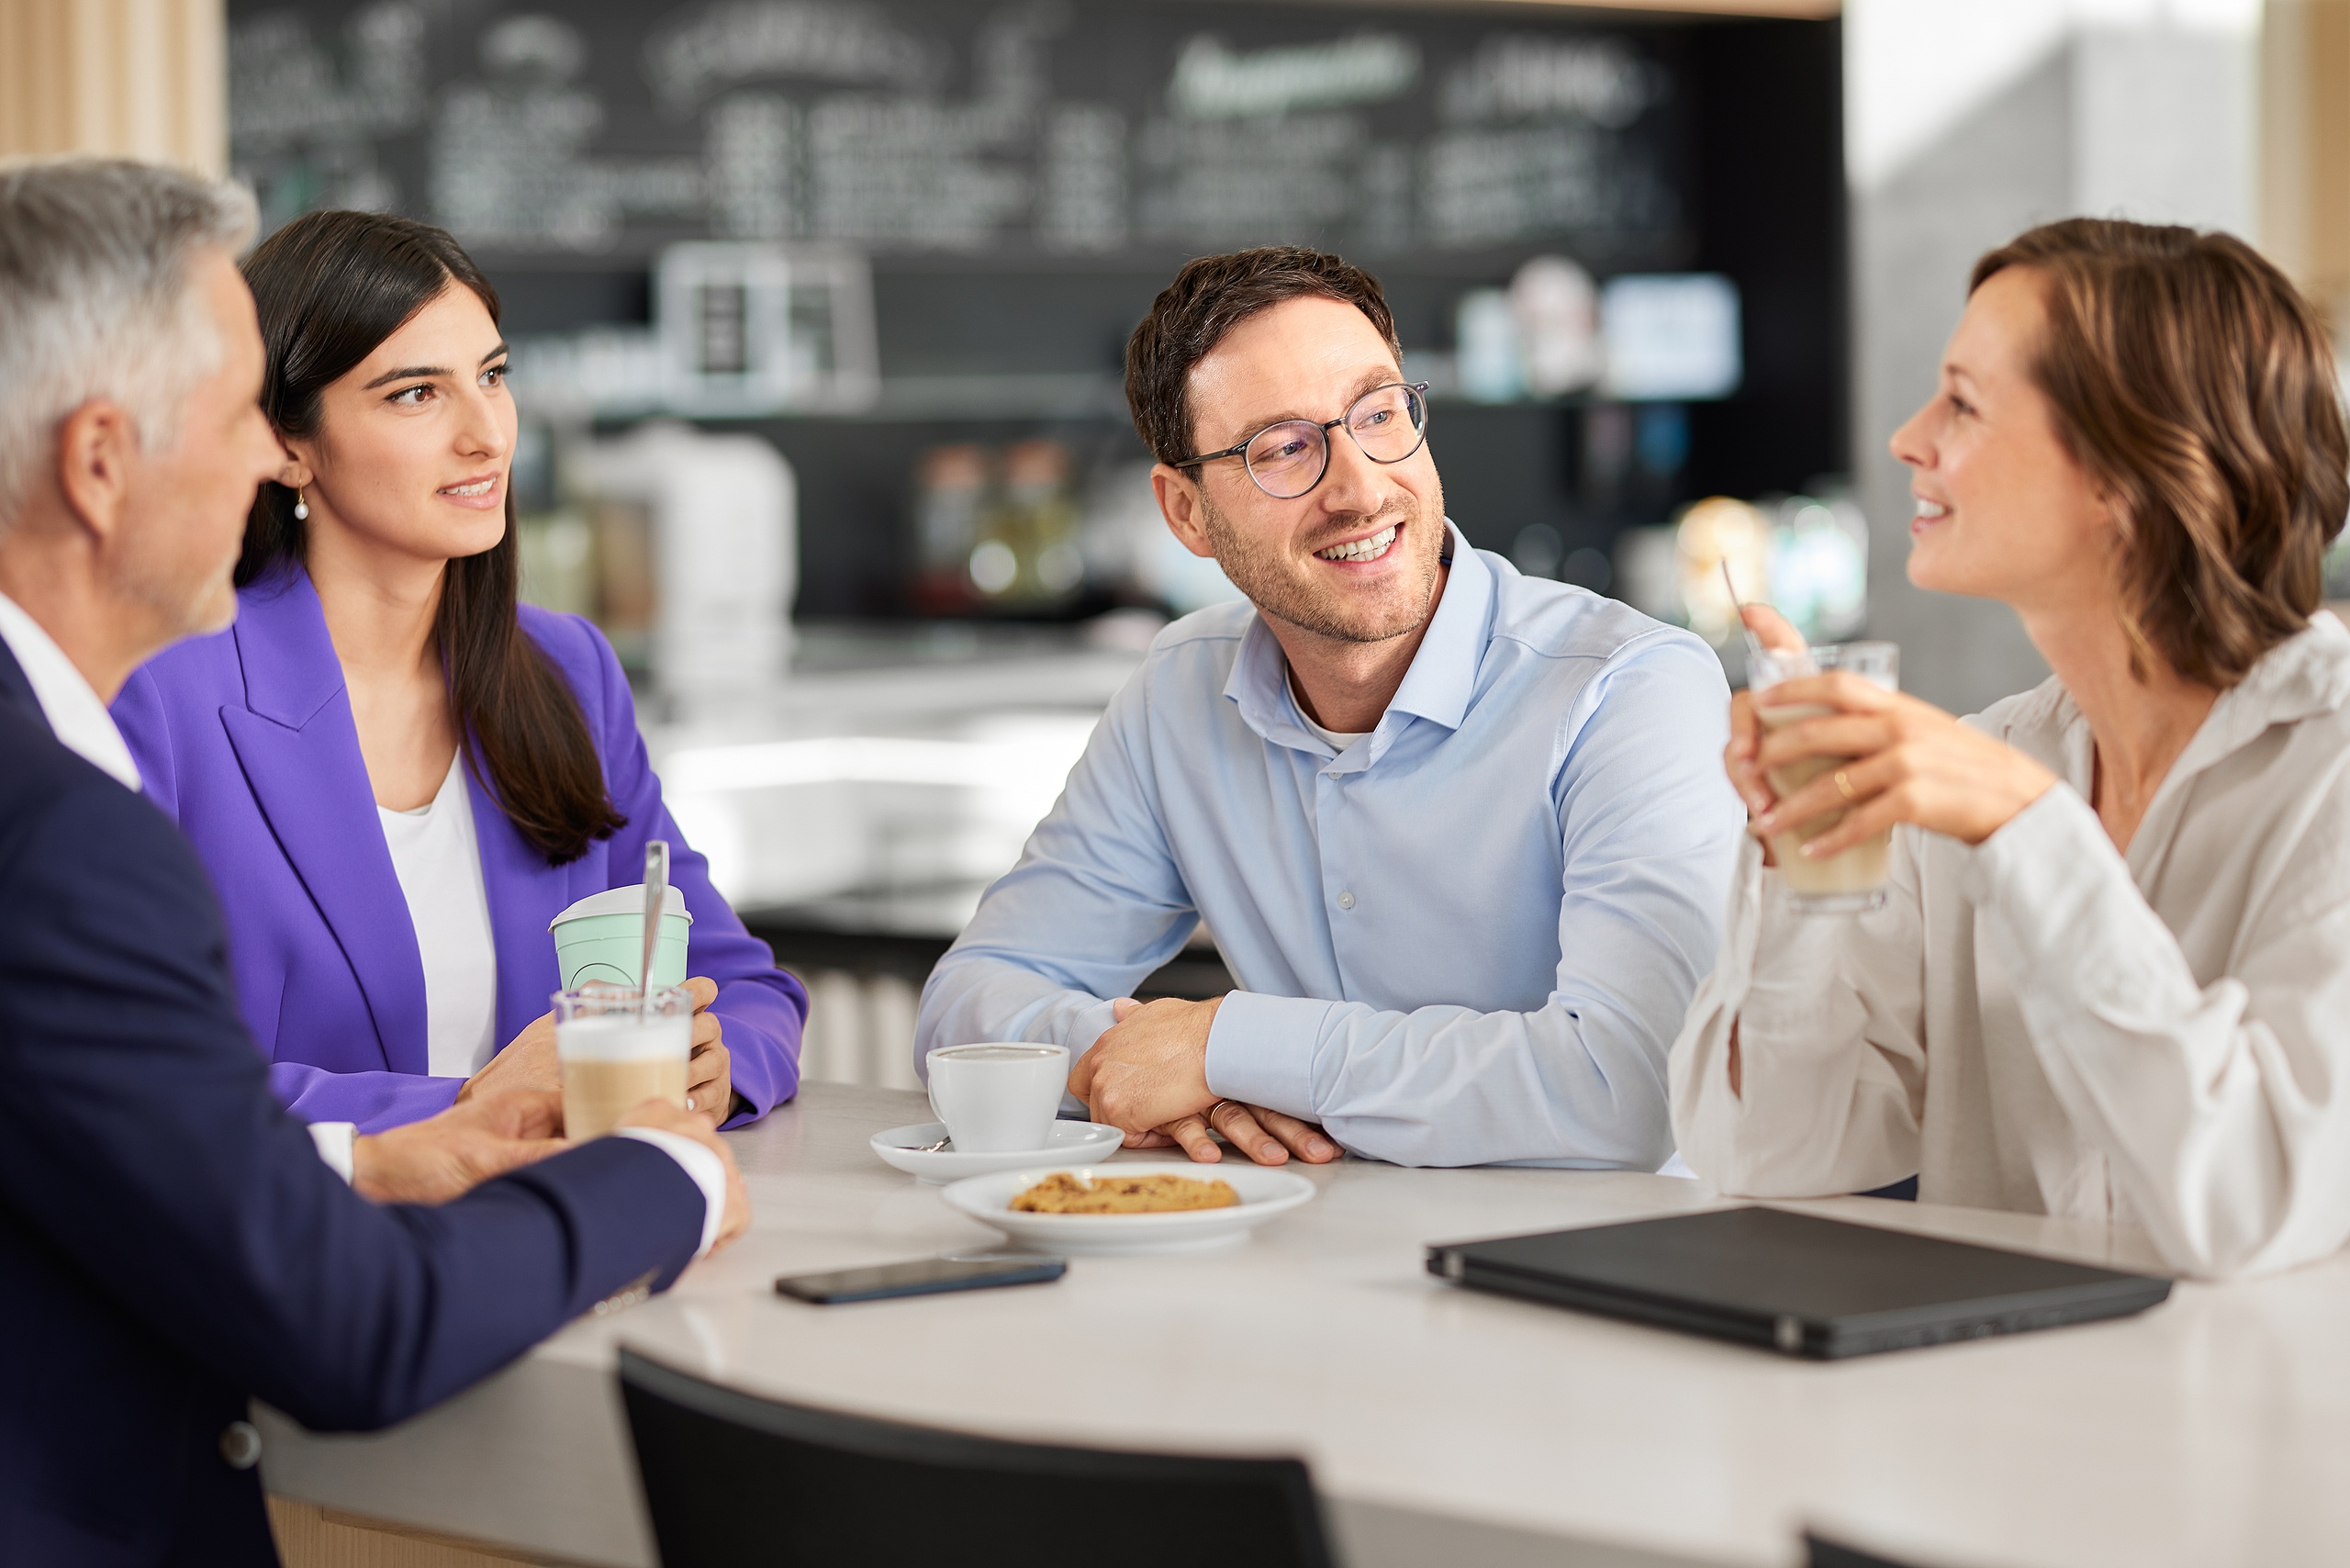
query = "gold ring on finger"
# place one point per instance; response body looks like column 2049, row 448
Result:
column 1208, row 1115
column 1844, row 786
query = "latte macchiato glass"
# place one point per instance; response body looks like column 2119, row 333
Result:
column 998, row 1096
column 1855, row 878
column 615, row 1057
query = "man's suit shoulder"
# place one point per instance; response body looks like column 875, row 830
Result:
column 52, row 802
column 38, row 771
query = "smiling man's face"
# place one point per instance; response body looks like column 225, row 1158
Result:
column 1356, row 558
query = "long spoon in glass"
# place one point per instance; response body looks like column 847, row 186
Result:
column 1754, row 648
column 656, row 891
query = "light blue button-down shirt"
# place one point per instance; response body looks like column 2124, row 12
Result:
column 1469, row 938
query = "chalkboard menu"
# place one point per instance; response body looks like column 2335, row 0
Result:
column 1022, row 177
column 994, row 131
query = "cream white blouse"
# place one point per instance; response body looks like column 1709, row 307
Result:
column 2044, row 1024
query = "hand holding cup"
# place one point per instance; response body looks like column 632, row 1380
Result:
column 1902, row 760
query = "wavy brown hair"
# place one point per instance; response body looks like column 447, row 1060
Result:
column 331, row 287
column 2195, row 384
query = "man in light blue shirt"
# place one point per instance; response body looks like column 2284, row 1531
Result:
column 1462, row 836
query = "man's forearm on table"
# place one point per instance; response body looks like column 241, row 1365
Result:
column 1449, row 1085
column 985, row 998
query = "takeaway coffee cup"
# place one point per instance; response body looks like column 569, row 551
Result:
column 600, row 939
column 616, row 1055
column 998, row 1097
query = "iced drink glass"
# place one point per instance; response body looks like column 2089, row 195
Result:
column 616, row 1055
column 1855, row 878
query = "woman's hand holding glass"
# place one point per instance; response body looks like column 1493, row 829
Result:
column 709, row 1078
column 1909, row 762
column 529, row 1061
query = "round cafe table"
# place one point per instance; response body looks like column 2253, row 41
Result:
column 1442, row 1426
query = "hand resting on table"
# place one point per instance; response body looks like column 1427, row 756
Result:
column 1148, row 1076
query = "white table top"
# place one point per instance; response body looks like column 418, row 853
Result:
column 2214, row 1429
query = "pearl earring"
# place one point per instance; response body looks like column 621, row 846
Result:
column 301, row 508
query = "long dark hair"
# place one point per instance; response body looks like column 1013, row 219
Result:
column 331, row 287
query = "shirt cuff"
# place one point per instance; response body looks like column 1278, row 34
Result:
column 333, row 1141
column 1260, row 1050
column 700, row 1163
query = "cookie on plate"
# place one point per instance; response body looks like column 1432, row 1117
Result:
column 1062, row 1194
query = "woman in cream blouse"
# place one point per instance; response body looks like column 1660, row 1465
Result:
column 2112, row 976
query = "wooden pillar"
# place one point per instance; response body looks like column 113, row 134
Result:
column 2305, row 147
column 135, row 78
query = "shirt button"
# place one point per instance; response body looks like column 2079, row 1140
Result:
column 1332, row 773
column 1346, row 901
column 240, row 1445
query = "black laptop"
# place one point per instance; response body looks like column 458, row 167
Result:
column 1813, row 1287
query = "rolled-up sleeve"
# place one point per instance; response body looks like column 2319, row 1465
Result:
column 1826, row 1014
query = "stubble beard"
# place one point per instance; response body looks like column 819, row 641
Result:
column 1262, row 572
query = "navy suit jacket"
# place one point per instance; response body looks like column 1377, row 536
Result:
column 170, row 1243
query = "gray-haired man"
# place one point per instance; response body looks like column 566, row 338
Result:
column 170, row 1240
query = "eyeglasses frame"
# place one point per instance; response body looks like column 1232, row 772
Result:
column 1418, row 388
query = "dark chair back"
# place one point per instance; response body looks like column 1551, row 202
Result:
column 1821, row 1552
column 733, row 1481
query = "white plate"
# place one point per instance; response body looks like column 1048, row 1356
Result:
column 1263, row 1193
column 904, row 1147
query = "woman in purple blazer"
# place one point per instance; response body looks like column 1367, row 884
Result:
column 396, row 775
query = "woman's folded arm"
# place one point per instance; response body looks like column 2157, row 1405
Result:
column 1822, row 1016
column 2222, row 1109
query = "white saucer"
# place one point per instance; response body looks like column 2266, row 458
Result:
column 904, row 1147
column 1263, row 1193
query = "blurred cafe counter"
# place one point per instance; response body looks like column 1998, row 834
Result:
column 853, row 810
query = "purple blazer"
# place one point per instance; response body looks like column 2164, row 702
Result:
column 246, row 739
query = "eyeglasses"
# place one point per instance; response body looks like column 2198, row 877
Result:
column 1287, row 460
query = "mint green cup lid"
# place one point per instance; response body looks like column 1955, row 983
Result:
column 629, row 900
column 602, row 938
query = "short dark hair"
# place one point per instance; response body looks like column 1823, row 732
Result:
column 2191, row 378
column 1208, row 299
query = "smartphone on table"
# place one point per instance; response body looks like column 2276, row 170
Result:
column 922, row 1276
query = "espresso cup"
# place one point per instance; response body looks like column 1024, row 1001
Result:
column 999, row 1096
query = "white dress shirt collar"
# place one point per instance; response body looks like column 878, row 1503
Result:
column 81, row 721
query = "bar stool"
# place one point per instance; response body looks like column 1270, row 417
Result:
column 732, row 1479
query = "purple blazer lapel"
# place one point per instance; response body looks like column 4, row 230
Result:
column 525, row 895
column 298, row 749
